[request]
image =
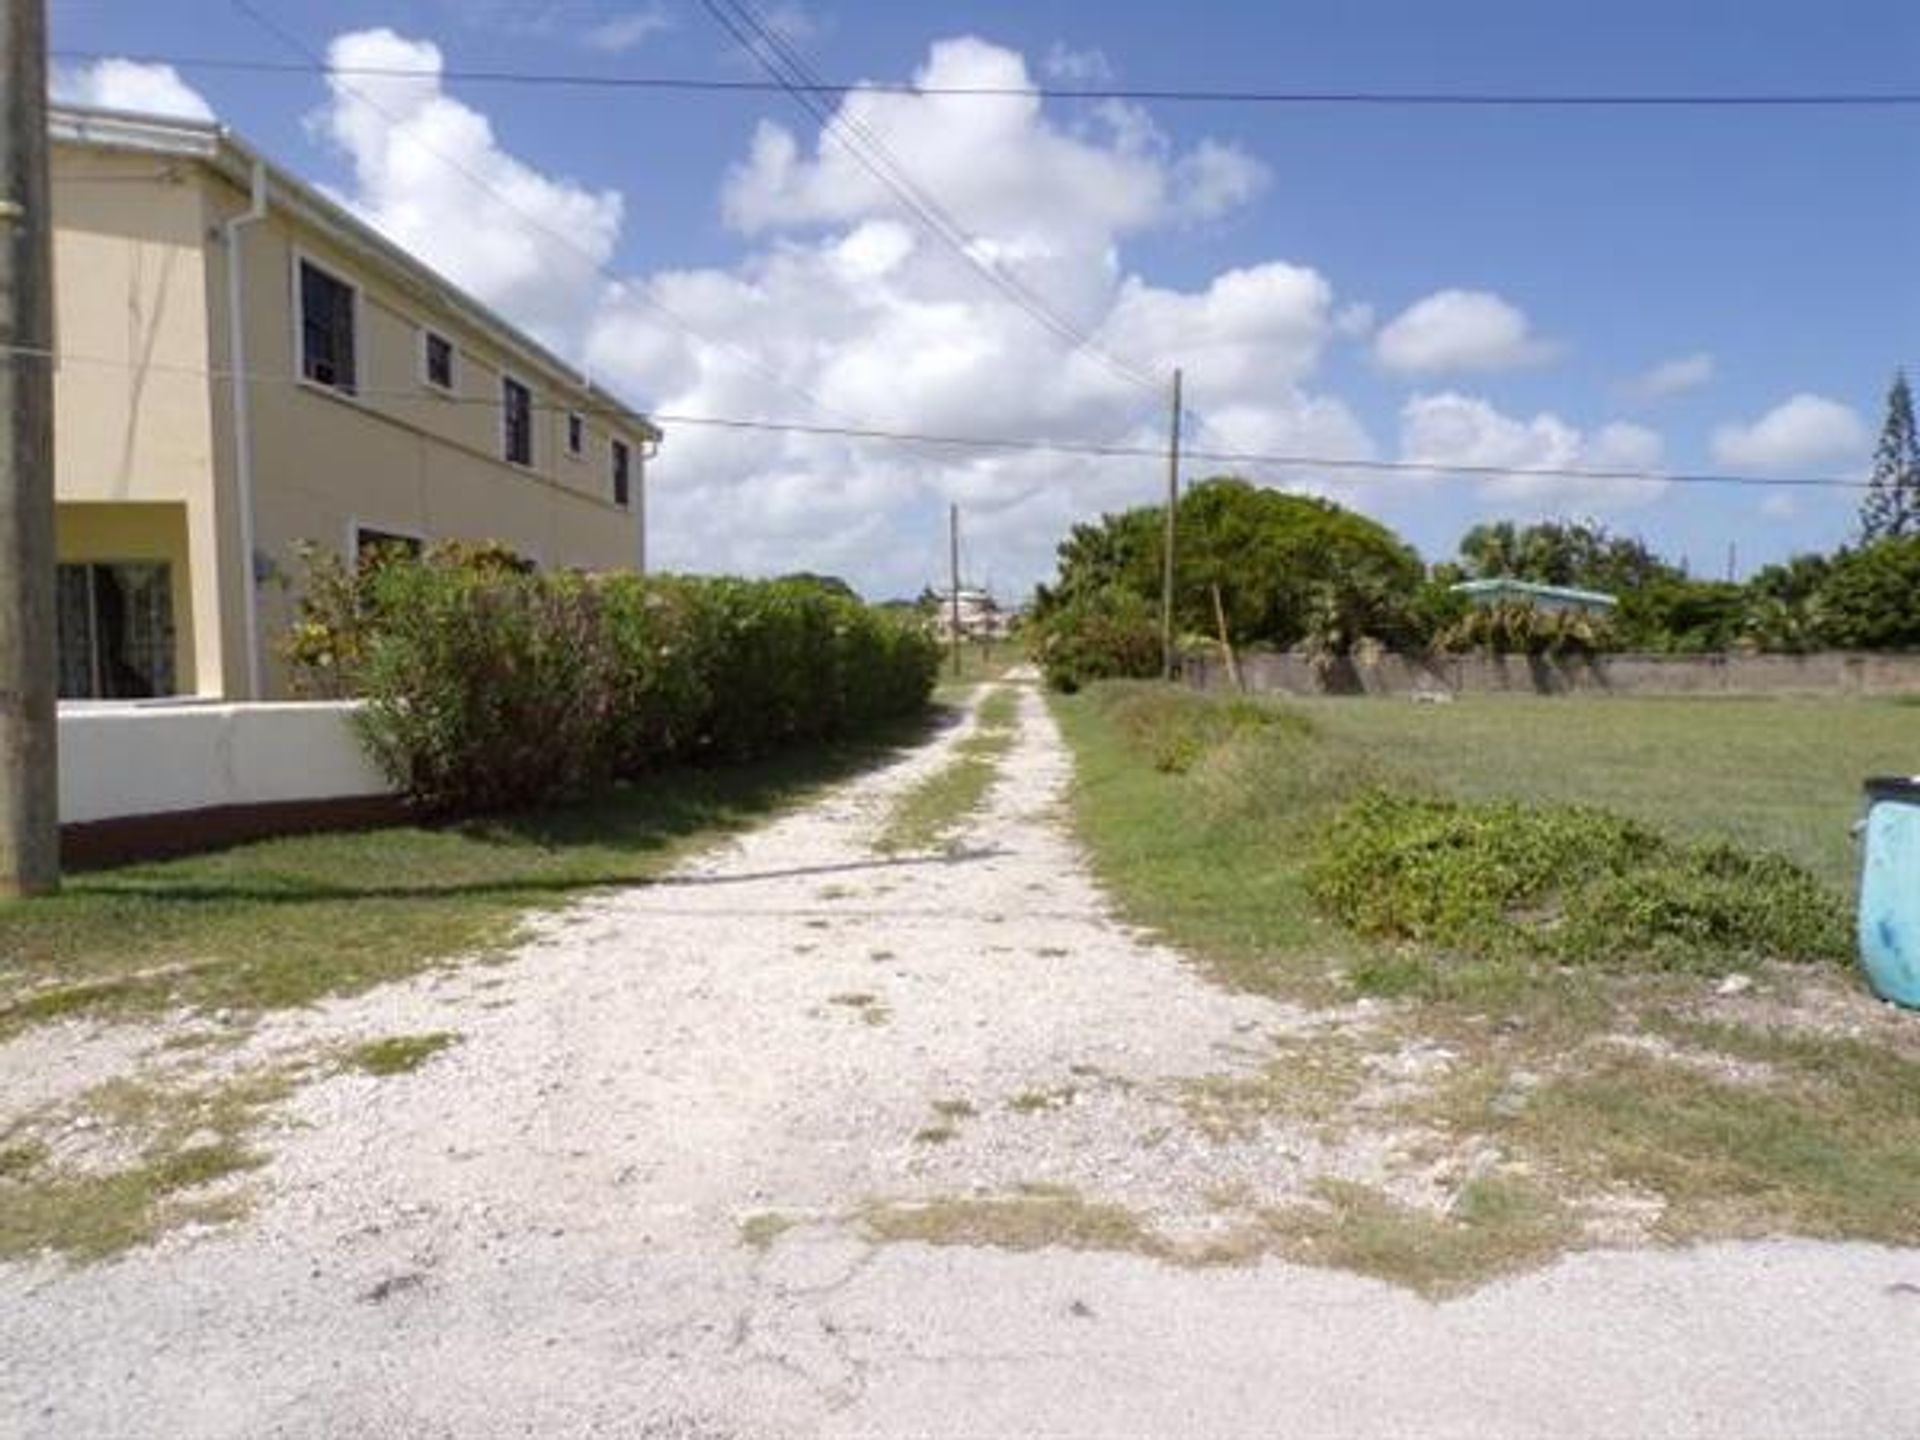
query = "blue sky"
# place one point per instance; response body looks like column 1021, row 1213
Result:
column 1760, row 255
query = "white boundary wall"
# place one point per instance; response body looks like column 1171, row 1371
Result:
column 124, row 759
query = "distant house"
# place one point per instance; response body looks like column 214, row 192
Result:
column 244, row 364
column 981, row 617
column 1554, row 599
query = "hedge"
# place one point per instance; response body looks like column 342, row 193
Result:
column 489, row 686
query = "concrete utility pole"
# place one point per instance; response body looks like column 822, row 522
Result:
column 29, row 724
column 953, row 582
column 1173, row 504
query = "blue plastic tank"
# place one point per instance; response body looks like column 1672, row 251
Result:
column 1890, row 890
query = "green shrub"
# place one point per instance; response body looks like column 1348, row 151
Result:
column 489, row 686
column 1564, row 883
column 1108, row 634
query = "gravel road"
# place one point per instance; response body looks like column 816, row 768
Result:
column 636, row 1198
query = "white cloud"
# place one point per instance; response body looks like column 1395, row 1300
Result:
column 1460, row 330
column 1451, row 429
column 620, row 33
column 843, row 308
column 1802, row 432
column 1672, row 377
column 1078, row 67
column 114, row 84
column 429, row 173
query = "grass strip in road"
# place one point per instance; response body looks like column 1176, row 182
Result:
column 929, row 812
column 285, row 922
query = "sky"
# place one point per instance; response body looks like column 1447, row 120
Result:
column 1666, row 291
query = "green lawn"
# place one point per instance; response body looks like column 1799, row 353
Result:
column 1774, row 774
column 284, row 922
column 1203, row 817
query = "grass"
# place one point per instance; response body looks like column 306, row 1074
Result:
column 979, row 665
column 162, row 1143
column 398, row 1054
column 1497, row 1226
column 1038, row 1219
column 1597, row 1081
column 759, row 1230
column 929, row 812
column 285, row 922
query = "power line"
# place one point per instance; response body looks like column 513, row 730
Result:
column 1009, row 444
column 1427, row 99
column 789, row 68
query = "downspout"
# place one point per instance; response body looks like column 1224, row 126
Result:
column 648, row 449
column 242, row 416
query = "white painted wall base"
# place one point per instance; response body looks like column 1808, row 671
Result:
column 120, row 759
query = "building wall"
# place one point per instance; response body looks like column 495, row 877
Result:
column 401, row 456
column 136, row 438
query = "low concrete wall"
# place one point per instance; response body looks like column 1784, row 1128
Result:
column 1825, row 673
column 143, row 779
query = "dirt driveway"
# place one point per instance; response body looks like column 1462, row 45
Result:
column 817, row 1139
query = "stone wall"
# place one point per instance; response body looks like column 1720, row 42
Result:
column 1825, row 673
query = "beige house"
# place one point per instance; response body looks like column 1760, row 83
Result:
column 244, row 366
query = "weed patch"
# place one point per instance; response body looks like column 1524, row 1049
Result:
column 1027, row 1221
column 398, row 1054
column 1568, row 884
column 163, row 1145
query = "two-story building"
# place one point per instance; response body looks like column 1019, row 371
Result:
column 245, row 365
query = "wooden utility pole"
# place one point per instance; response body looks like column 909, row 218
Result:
column 1173, row 504
column 29, row 723
column 953, row 582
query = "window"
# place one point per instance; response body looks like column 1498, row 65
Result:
column 370, row 546
column 115, row 630
column 576, row 433
column 622, row 473
column 438, row 361
column 326, row 328
column 516, row 415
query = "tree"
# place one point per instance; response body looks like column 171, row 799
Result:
column 1871, row 598
column 1290, row 569
column 1557, row 552
column 1892, row 506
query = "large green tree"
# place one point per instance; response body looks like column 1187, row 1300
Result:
column 1562, row 552
column 1892, row 506
column 1290, row 569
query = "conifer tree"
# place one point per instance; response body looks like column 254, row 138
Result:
column 1892, row 506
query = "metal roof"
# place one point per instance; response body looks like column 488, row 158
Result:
column 1527, row 589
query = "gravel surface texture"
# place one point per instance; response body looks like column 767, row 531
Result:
column 628, row 1201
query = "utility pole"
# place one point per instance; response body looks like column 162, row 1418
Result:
column 953, row 581
column 1173, row 504
column 29, row 723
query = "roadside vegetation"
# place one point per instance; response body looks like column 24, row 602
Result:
column 1644, row 1029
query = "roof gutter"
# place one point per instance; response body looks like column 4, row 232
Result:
column 237, row 372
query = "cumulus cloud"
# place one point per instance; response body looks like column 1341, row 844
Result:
column 1801, row 432
column 1460, row 330
column 429, row 172
column 1672, row 377
column 1078, row 67
column 115, row 84
column 1451, row 429
column 844, row 308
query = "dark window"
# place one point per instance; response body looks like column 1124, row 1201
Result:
column 115, row 626
column 326, row 328
column 372, row 546
column 516, row 407
column 576, row 433
column 622, row 472
column 439, row 361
